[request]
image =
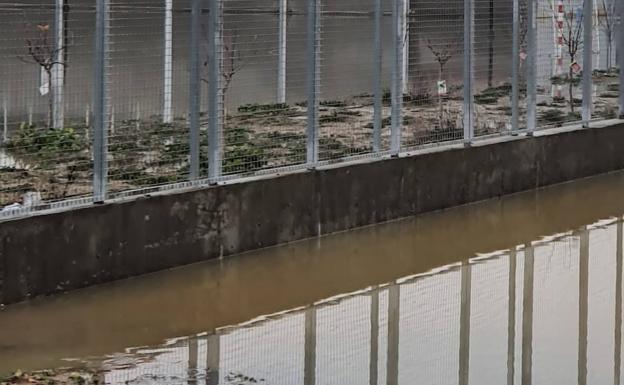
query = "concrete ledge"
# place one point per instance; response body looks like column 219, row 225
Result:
column 62, row 251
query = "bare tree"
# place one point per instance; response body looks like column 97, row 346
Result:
column 571, row 32
column 232, row 59
column 607, row 22
column 442, row 52
column 42, row 51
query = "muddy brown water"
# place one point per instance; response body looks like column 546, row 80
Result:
column 424, row 300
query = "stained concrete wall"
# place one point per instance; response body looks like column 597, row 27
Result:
column 61, row 251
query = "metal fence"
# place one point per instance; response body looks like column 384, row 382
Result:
column 104, row 99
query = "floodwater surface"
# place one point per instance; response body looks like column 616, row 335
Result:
column 525, row 288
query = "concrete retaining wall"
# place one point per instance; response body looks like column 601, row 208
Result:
column 56, row 252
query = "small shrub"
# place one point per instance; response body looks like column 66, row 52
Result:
column 493, row 94
column 553, row 116
column 573, row 116
column 559, row 99
column 334, row 117
column 598, row 73
column 333, row 103
column 421, row 99
column 264, row 109
column 243, row 158
column 386, row 97
column 610, row 95
column 609, row 112
column 241, row 153
column 565, row 79
column 45, row 143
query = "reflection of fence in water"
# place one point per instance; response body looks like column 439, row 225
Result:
column 513, row 313
column 191, row 96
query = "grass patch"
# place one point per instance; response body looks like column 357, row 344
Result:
column 46, row 142
column 333, row 103
column 550, row 117
column 560, row 80
column 493, row 94
column 264, row 109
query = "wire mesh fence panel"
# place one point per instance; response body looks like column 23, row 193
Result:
column 555, row 320
column 166, row 364
column 343, row 342
column 433, row 105
column 489, row 320
column 348, row 69
column 271, row 352
column 601, row 323
column 430, row 329
column 606, row 75
column 492, row 66
column 559, row 62
column 147, row 132
column 193, row 94
column 263, row 83
column 517, row 340
column 380, row 368
column 46, row 75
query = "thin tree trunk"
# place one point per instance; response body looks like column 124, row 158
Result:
column 50, row 98
column 609, row 51
column 441, row 117
column 571, row 88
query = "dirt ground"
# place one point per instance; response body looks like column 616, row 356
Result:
column 259, row 137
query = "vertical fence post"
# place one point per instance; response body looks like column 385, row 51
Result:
column 527, row 315
column 619, row 50
column 373, row 376
column 213, row 359
column 57, row 83
column 406, row 45
column 468, row 108
column 397, row 76
column 515, row 60
column 193, row 354
column 195, row 90
column 281, row 66
column 313, row 81
column 394, row 326
column 597, row 48
column 583, row 305
column 309, row 369
column 617, row 353
column 588, row 29
column 377, row 49
column 167, row 113
column 511, row 319
column 531, row 66
column 215, row 110
column 464, row 323
column 100, row 101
